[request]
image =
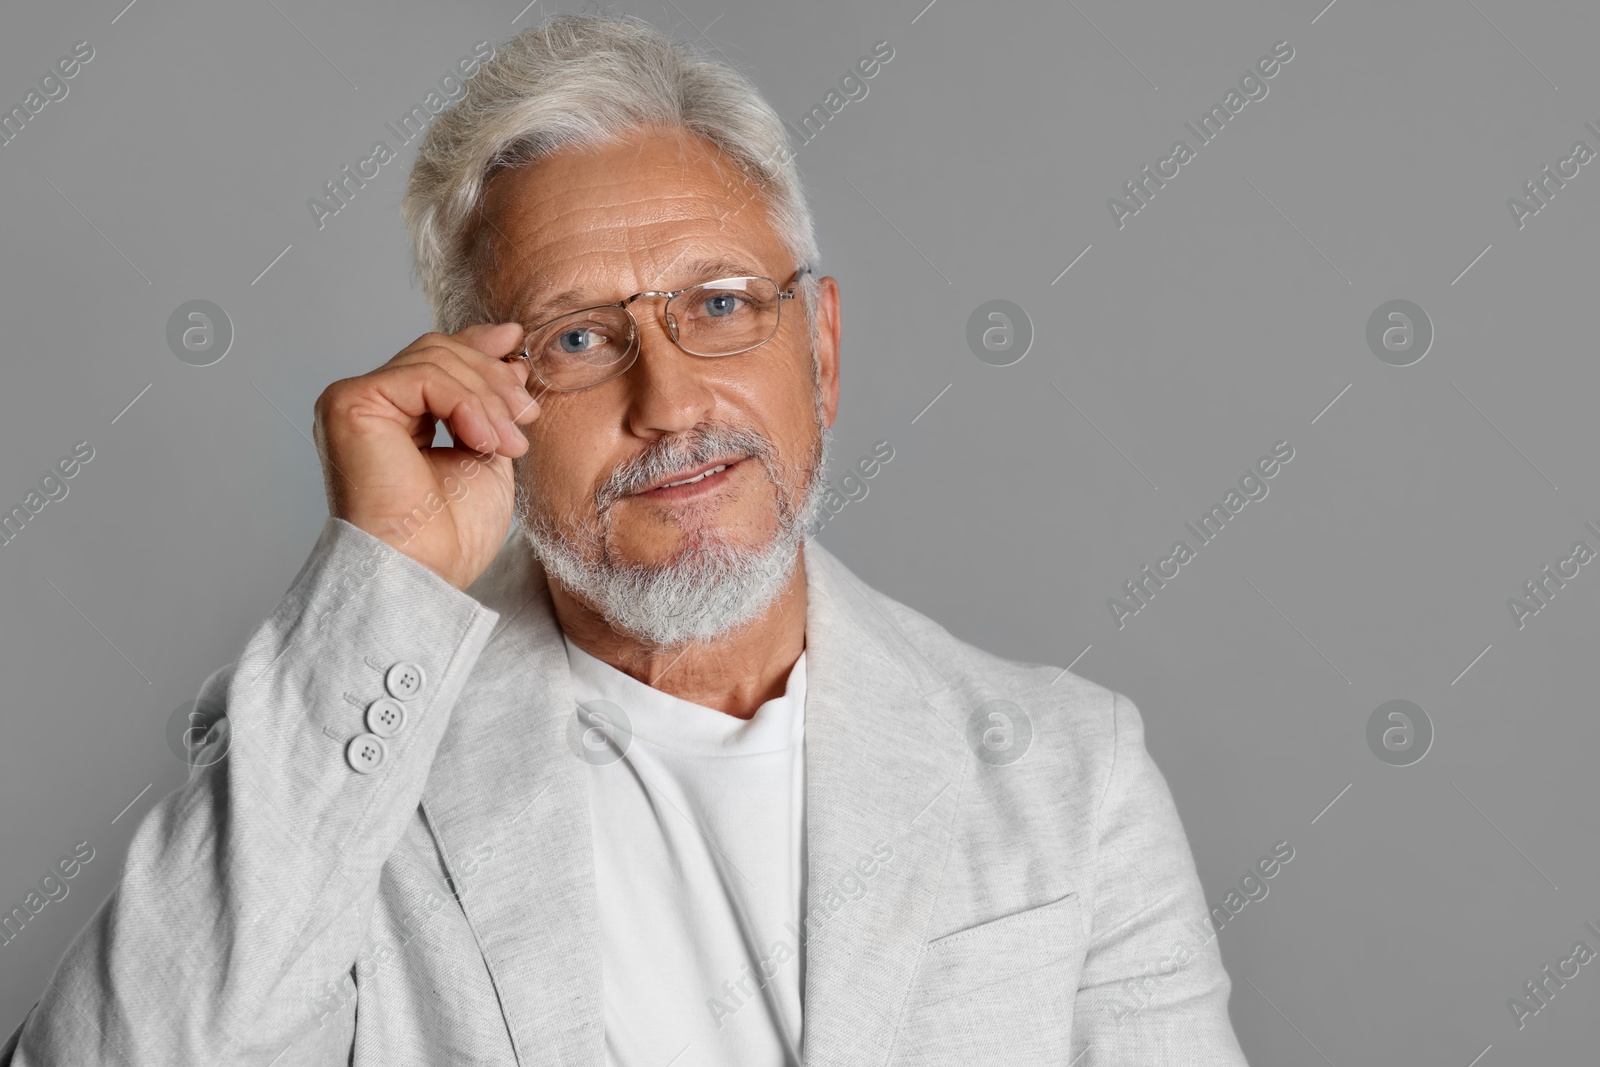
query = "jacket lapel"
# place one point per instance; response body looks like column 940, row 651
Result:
column 885, row 764
column 505, row 778
column 886, row 760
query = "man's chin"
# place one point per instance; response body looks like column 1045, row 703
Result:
column 687, row 549
column 700, row 590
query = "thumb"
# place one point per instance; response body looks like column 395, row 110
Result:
column 492, row 339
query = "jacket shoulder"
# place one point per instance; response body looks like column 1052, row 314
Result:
column 1056, row 701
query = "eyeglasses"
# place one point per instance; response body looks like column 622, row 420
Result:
column 722, row 317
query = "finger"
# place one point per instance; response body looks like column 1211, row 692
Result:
column 508, row 380
column 494, row 339
column 426, row 389
column 534, row 391
column 467, row 365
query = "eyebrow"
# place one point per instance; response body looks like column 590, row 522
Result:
column 541, row 309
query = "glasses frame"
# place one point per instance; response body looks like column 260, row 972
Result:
column 626, row 363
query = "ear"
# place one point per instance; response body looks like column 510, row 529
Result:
column 828, row 326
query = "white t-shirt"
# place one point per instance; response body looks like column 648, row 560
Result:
column 698, row 839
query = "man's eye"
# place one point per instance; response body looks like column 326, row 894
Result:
column 718, row 305
column 579, row 340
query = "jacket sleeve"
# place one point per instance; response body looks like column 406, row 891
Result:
column 242, row 891
column 1153, row 990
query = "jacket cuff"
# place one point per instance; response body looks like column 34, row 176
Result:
column 350, row 682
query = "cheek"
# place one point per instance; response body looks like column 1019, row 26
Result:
column 574, row 453
column 781, row 403
column 555, row 465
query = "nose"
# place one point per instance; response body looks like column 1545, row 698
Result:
column 669, row 393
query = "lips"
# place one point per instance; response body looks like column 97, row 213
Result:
column 692, row 474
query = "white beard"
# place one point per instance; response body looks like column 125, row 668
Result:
column 712, row 586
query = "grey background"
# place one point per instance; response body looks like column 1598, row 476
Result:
column 1214, row 324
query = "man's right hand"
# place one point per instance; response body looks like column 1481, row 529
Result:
column 447, row 508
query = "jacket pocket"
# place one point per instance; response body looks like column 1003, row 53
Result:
column 1041, row 944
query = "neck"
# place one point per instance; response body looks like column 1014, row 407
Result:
column 734, row 674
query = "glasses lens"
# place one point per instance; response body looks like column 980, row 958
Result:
column 726, row 316
column 582, row 349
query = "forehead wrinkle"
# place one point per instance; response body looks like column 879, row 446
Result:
column 532, row 194
column 697, row 197
column 535, row 307
column 702, row 255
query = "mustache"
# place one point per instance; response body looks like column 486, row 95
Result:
column 667, row 455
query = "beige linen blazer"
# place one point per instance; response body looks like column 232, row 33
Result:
column 437, row 907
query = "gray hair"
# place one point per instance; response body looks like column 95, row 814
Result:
column 584, row 81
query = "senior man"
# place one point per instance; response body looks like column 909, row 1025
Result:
column 657, row 780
